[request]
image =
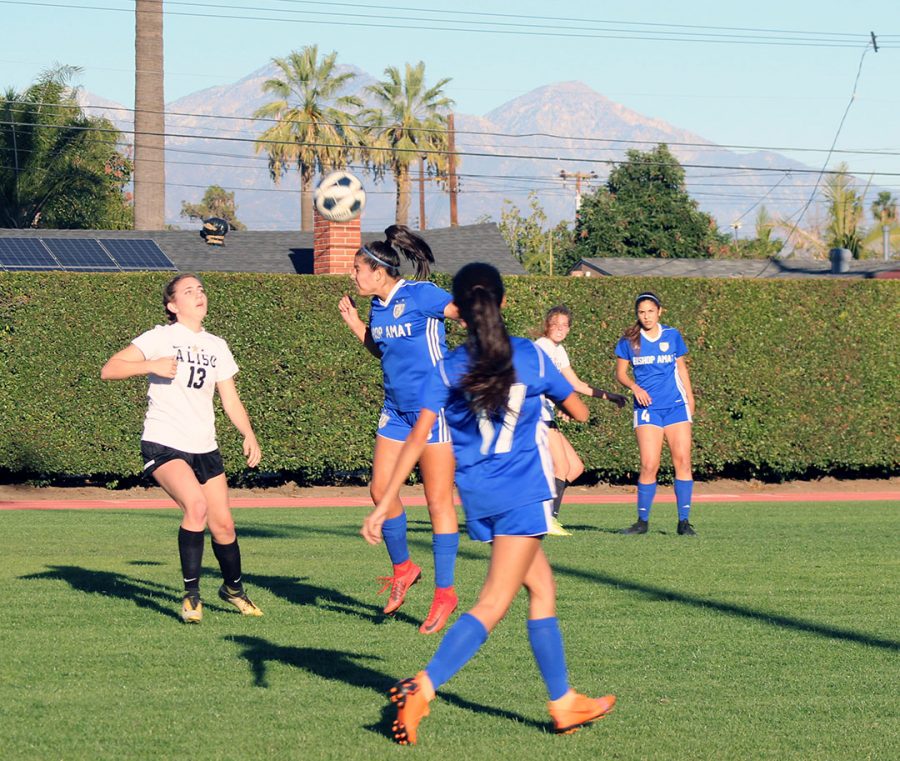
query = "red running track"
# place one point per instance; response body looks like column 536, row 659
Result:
column 575, row 499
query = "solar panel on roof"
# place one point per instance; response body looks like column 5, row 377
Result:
column 26, row 254
column 80, row 254
column 137, row 254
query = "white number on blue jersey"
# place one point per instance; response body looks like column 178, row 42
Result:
column 514, row 403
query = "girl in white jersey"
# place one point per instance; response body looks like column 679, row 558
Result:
column 405, row 331
column 663, row 406
column 567, row 465
column 185, row 366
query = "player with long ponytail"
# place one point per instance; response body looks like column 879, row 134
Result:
column 490, row 390
column 405, row 330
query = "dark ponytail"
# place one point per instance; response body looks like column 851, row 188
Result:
column 399, row 238
column 169, row 293
column 478, row 292
column 633, row 332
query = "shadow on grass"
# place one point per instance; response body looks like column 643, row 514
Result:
column 297, row 592
column 740, row 611
column 142, row 593
column 350, row 669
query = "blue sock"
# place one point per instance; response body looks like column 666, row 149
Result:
column 684, row 490
column 547, row 646
column 459, row 644
column 646, row 493
column 394, row 532
column 444, row 547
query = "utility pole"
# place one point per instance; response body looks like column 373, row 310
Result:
column 451, row 170
column 578, row 177
column 421, row 192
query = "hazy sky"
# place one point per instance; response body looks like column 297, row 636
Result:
column 697, row 65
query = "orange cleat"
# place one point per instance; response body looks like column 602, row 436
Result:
column 573, row 711
column 399, row 584
column 442, row 607
column 412, row 706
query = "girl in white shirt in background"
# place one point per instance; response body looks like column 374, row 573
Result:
column 185, row 366
column 567, row 465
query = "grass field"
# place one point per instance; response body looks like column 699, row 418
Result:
column 773, row 635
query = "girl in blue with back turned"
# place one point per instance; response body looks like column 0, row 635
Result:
column 663, row 406
column 491, row 391
column 406, row 332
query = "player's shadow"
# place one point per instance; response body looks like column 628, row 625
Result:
column 141, row 592
column 350, row 669
column 298, row 591
column 655, row 593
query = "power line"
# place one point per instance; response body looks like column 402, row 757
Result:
column 659, row 36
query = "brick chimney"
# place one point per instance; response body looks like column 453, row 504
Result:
column 334, row 245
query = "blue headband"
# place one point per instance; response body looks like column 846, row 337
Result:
column 646, row 296
column 372, row 256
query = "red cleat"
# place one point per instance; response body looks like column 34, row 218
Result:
column 399, row 584
column 442, row 607
column 573, row 711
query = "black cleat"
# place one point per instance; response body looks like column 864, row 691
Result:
column 685, row 528
column 637, row 528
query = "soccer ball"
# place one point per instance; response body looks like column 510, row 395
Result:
column 340, row 197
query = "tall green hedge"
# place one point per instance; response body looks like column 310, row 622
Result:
column 792, row 378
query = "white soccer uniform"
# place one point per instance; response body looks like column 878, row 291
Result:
column 560, row 359
column 180, row 410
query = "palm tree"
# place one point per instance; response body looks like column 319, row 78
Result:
column 313, row 126
column 149, row 117
column 408, row 120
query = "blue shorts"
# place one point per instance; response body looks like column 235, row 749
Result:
column 396, row 425
column 660, row 418
column 526, row 520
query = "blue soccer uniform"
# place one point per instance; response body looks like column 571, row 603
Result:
column 502, row 464
column 656, row 371
column 408, row 328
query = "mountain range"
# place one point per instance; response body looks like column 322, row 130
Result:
column 520, row 146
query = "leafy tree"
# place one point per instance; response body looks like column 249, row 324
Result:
column 59, row 168
column 217, row 202
column 541, row 252
column 644, row 210
column 313, row 122
column 408, row 119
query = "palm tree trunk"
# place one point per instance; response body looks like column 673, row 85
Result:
column 403, row 194
column 149, row 118
column 306, row 198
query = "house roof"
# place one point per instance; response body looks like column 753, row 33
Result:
column 729, row 268
column 292, row 251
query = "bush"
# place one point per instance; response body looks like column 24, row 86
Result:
column 792, row 378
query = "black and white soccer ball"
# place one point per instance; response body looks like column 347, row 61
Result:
column 340, row 197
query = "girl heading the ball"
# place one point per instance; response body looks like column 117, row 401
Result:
column 490, row 390
column 405, row 330
column 663, row 406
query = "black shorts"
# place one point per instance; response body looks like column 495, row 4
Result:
column 205, row 466
column 551, row 424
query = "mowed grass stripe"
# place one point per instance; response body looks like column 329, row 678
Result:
column 771, row 635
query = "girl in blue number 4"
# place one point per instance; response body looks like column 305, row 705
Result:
column 406, row 332
column 663, row 406
column 490, row 389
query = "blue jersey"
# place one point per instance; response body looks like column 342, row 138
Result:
column 654, row 366
column 408, row 328
column 504, row 462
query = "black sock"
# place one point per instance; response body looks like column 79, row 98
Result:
column 560, row 490
column 229, row 557
column 190, row 548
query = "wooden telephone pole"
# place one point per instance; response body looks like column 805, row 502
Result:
column 578, row 177
column 451, row 170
